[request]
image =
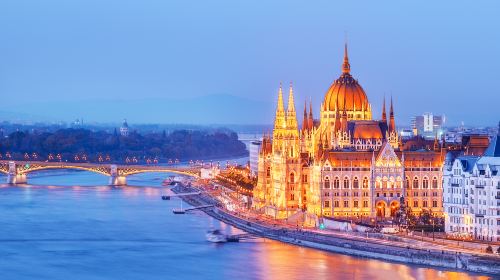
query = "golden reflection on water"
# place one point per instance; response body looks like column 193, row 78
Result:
column 279, row 261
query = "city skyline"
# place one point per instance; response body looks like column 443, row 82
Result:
column 122, row 59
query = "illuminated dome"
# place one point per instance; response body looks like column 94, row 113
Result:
column 346, row 93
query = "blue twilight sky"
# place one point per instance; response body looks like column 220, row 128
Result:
column 221, row 61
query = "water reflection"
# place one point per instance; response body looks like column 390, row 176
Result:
column 282, row 261
column 56, row 230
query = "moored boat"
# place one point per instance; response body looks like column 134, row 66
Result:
column 216, row 236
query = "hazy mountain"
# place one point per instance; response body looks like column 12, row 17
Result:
column 220, row 109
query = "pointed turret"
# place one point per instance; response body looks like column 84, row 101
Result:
column 384, row 116
column 436, row 143
column 311, row 118
column 344, row 121
column 291, row 116
column 346, row 67
column 291, row 102
column 280, row 120
column 392, row 124
column 305, row 120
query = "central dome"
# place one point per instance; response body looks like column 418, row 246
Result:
column 345, row 93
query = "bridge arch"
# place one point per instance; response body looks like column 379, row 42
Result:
column 180, row 172
column 100, row 170
column 17, row 171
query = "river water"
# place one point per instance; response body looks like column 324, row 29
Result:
column 69, row 225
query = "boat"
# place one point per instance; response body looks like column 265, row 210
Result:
column 216, row 236
column 169, row 181
column 178, row 211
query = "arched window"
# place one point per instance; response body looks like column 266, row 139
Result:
column 355, row 183
column 425, row 183
column 407, row 183
column 415, row 183
column 327, row 182
column 365, row 183
column 435, row 183
column 268, row 172
column 336, row 183
column 346, row 182
column 292, row 196
column 292, row 178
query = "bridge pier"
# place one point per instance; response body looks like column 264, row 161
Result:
column 17, row 179
column 13, row 177
column 117, row 180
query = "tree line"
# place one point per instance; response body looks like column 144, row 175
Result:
column 86, row 145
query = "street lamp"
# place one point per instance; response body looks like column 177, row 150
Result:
column 432, row 228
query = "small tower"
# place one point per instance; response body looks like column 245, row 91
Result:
column 384, row 116
column 280, row 123
column 291, row 116
column 346, row 67
column 124, row 128
column 280, row 119
column 436, row 143
column 311, row 119
column 305, row 120
column 392, row 124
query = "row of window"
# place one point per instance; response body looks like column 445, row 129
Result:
column 383, row 184
column 424, row 204
column 365, row 183
column 346, row 183
column 355, row 194
column 336, row 204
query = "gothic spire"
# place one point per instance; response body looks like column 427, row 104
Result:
column 281, row 105
column 291, row 116
column 280, row 119
column 291, row 105
column 392, row 123
column 311, row 119
column 344, row 121
column 305, row 120
column 346, row 67
column 384, row 116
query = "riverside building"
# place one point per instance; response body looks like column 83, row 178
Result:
column 346, row 164
column 472, row 194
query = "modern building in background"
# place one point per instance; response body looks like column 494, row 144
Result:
column 471, row 187
column 124, row 131
column 428, row 125
column 254, row 149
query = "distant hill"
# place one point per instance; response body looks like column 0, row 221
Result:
column 211, row 109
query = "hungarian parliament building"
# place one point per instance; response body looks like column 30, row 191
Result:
column 347, row 163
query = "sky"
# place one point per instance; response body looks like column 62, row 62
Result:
column 221, row 62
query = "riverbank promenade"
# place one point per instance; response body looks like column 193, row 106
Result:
column 387, row 247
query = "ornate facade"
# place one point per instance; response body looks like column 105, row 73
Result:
column 346, row 164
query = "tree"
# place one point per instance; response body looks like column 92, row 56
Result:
column 489, row 249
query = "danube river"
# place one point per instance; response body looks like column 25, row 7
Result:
column 69, row 225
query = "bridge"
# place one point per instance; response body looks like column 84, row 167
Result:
column 17, row 171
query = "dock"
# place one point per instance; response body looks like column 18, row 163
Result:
column 169, row 196
column 183, row 211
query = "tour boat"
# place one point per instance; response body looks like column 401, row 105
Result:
column 216, row 236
